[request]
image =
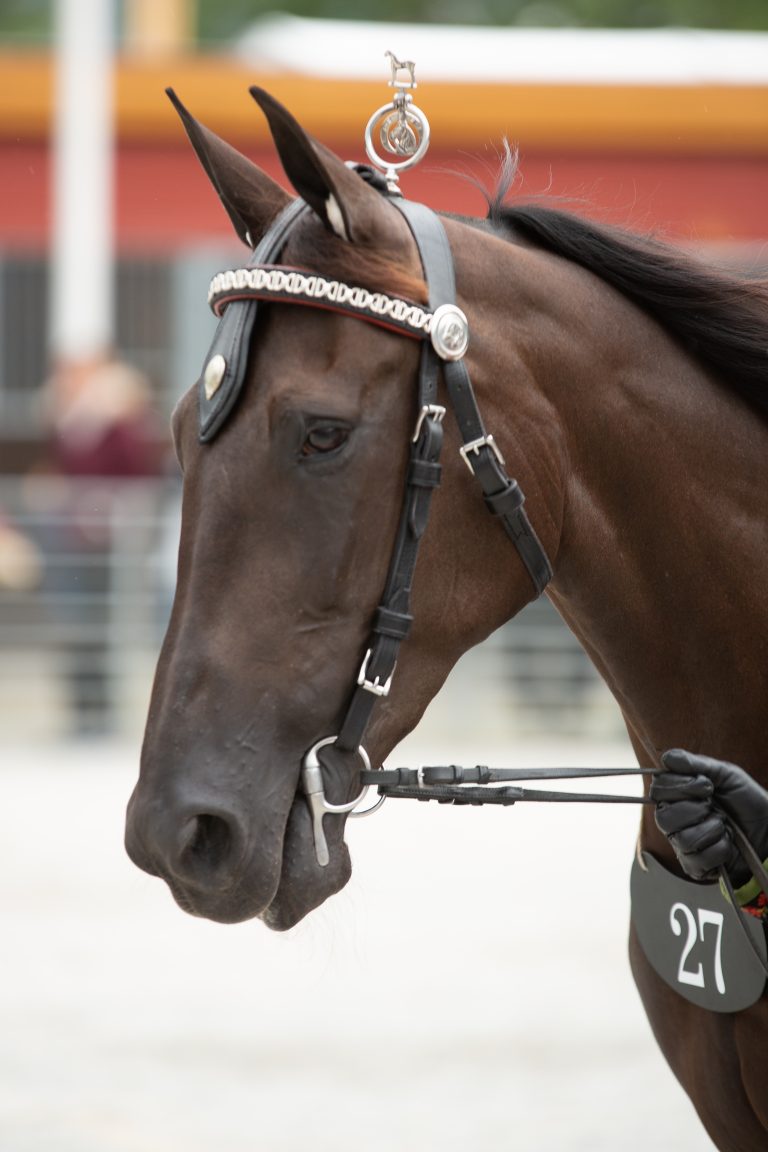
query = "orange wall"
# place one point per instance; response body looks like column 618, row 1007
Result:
column 691, row 161
column 690, row 118
column 164, row 201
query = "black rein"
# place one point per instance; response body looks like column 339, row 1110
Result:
column 450, row 784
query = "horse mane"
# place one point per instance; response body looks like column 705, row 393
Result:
column 720, row 317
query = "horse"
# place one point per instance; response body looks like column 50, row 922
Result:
column 624, row 382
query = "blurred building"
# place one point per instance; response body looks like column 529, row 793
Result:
column 659, row 130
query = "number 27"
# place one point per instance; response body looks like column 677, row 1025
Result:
column 705, row 917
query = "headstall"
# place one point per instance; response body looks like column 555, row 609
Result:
column 443, row 330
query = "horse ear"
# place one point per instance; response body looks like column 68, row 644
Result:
column 252, row 199
column 346, row 205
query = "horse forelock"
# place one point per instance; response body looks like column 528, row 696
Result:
column 362, row 265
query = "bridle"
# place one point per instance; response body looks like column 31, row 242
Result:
column 443, row 331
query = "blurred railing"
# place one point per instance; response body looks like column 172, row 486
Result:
column 81, row 626
column 86, row 580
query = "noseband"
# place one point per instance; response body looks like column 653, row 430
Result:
column 444, row 334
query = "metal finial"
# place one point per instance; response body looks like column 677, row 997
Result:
column 408, row 66
column 403, row 129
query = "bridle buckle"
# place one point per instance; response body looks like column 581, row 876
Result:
column 433, row 411
column 474, row 446
column 375, row 686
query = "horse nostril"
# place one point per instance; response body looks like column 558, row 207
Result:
column 208, row 845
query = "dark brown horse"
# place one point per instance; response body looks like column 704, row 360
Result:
column 623, row 383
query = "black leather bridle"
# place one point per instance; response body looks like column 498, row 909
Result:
column 444, row 333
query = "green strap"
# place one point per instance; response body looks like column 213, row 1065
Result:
column 747, row 893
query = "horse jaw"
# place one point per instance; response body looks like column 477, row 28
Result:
column 304, row 884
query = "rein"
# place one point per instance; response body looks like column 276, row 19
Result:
column 450, row 784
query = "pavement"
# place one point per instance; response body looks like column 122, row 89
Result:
column 458, row 994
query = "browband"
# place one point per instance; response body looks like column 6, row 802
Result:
column 300, row 286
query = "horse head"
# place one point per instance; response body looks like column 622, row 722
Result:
column 290, row 516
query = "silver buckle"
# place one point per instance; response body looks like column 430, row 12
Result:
column 436, row 411
column 375, row 686
column 475, row 446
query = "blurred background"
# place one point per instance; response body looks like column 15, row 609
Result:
column 652, row 114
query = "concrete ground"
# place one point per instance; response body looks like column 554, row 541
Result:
column 459, row 994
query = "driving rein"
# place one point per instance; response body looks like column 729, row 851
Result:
column 443, row 331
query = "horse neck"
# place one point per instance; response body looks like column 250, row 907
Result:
column 658, row 480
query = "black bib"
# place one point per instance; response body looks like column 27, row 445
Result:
column 691, row 937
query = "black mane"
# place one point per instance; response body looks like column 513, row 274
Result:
column 720, row 318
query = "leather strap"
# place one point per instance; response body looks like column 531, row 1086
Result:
column 750, row 856
column 511, row 794
column 393, row 617
column 422, row 479
column 392, row 620
column 761, row 876
column 452, row 774
column 503, row 496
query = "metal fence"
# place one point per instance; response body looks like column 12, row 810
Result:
column 86, row 576
column 86, row 581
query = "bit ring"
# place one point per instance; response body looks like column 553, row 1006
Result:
column 311, row 774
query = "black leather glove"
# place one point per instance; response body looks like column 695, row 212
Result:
column 691, row 798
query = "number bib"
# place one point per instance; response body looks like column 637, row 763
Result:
column 690, row 936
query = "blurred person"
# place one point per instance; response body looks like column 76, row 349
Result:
column 102, row 431
column 21, row 564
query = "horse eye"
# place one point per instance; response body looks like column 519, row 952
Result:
column 324, row 438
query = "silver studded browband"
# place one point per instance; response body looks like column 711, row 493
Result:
column 446, row 327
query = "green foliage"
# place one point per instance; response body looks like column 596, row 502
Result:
column 31, row 21
column 26, row 21
column 223, row 19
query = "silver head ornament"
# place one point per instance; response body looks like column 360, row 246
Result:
column 401, row 127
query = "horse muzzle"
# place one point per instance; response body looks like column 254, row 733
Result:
column 223, row 863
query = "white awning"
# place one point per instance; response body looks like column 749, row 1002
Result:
column 354, row 49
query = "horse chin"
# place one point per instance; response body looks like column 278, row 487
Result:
column 232, row 910
column 304, row 884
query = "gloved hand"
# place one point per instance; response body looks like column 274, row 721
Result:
column 691, row 798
